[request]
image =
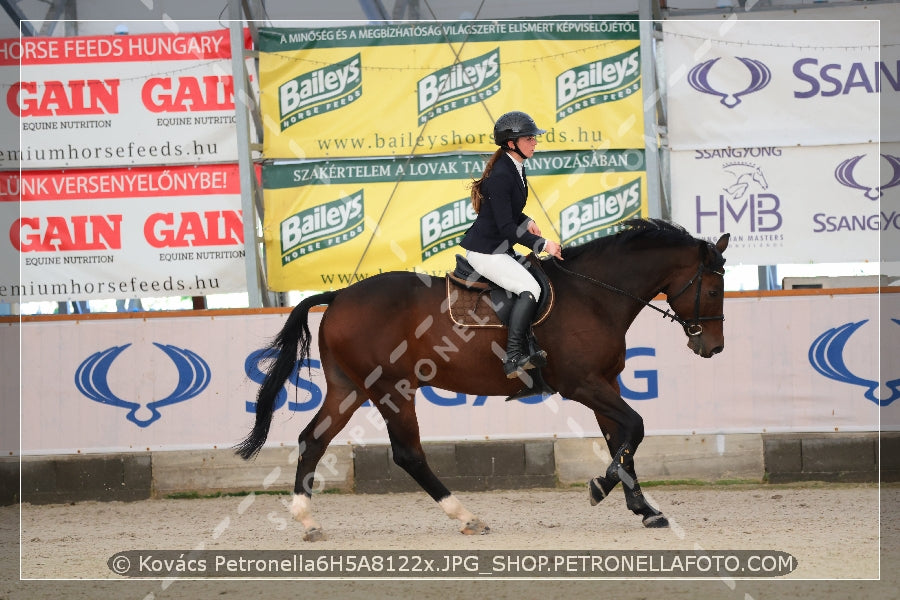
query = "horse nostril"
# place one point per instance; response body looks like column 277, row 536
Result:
column 716, row 350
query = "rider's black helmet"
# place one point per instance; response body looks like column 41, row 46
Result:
column 514, row 125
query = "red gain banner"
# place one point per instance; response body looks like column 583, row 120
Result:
column 118, row 100
column 120, row 233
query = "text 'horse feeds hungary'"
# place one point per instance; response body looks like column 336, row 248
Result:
column 385, row 336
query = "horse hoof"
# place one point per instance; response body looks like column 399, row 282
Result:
column 598, row 489
column 314, row 535
column 476, row 527
column 656, row 521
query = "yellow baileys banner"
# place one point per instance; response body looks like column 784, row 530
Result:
column 330, row 223
column 426, row 88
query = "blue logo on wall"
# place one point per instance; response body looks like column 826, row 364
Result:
column 844, row 175
column 644, row 382
column 91, row 379
column 760, row 76
column 826, row 355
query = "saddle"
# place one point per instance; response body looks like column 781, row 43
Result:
column 479, row 302
column 473, row 301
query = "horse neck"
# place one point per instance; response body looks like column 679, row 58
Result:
column 642, row 273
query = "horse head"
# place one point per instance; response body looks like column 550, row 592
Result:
column 699, row 297
column 759, row 178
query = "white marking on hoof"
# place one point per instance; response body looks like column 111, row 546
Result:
column 455, row 509
column 301, row 510
column 476, row 527
column 471, row 525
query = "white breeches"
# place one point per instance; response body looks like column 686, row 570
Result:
column 505, row 271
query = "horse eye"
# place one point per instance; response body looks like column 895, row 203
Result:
column 713, row 293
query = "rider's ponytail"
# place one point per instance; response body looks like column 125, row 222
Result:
column 475, row 186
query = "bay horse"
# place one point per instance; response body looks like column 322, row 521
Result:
column 376, row 335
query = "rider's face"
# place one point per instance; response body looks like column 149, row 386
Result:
column 527, row 145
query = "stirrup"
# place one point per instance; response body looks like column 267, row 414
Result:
column 537, row 360
column 512, row 367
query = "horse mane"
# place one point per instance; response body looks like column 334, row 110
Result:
column 646, row 233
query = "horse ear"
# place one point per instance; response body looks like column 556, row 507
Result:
column 723, row 242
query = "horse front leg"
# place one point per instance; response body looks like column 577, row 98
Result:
column 621, row 469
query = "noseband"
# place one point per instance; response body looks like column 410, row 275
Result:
column 692, row 327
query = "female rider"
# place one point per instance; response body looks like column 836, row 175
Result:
column 498, row 199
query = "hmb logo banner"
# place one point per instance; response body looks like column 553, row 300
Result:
column 787, row 204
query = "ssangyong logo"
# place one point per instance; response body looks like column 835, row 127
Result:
column 459, row 85
column 600, row 215
column 844, row 173
column 444, row 227
column 321, row 227
column 826, row 355
column 605, row 80
column 92, row 380
column 760, row 75
column 320, row 91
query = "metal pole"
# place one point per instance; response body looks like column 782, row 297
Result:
column 245, row 162
column 648, row 84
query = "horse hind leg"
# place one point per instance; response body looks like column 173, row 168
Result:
column 342, row 399
column 406, row 447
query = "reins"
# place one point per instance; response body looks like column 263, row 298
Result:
column 691, row 327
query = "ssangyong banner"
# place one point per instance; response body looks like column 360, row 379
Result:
column 329, row 223
column 774, row 83
column 149, row 99
column 123, row 233
column 426, row 88
column 787, row 204
column 167, row 383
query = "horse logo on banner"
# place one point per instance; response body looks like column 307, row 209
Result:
column 91, row 379
column 745, row 174
column 826, row 355
column 760, row 76
column 844, row 174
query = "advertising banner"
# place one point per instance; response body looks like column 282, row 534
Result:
column 791, row 363
column 123, row 233
column 774, row 83
column 787, row 204
column 426, row 88
column 328, row 224
column 120, row 100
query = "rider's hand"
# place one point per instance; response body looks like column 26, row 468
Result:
column 533, row 228
column 554, row 249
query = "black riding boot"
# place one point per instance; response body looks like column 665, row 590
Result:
column 518, row 356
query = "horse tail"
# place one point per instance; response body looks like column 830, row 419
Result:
column 289, row 347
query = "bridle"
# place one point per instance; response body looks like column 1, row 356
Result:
column 692, row 327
